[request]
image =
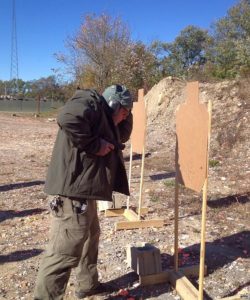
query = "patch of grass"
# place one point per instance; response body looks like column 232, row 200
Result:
column 196, row 230
column 169, row 183
column 213, row 163
column 154, row 198
column 244, row 90
column 49, row 114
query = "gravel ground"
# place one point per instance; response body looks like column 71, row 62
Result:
column 25, row 149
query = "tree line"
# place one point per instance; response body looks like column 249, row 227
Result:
column 102, row 52
column 46, row 88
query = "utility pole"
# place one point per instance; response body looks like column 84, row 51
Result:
column 14, row 90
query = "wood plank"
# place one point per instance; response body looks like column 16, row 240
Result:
column 144, row 210
column 154, row 278
column 165, row 275
column 139, row 224
column 114, row 212
column 130, row 215
column 183, row 286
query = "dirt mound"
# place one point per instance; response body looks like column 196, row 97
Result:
column 229, row 145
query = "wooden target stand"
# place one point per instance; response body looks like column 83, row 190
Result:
column 193, row 126
column 134, row 217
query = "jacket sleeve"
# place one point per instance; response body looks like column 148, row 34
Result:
column 77, row 122
column 125, row 128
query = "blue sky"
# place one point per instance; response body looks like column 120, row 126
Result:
column 44, row 25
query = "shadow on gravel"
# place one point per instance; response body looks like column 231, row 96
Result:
column 220, row 252
column 155, row 177
column 19, row 255
column 127, row 281
column 229, row 200
column 162, row 176
column 10, row 214
column 238, row 289
column 20, row 185
column 136, row 156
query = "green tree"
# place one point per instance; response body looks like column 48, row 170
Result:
column 3, row 87
column 229, row 54
column 188, row 51
column 46, row 87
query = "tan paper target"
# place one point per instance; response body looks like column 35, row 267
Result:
column 192, row 124
column 139, row 124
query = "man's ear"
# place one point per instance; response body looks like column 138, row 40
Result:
column 115, row 106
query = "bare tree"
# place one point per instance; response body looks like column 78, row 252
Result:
column 96, row 49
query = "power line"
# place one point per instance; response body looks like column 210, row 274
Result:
column 14, row 54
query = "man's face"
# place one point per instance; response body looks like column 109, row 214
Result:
column 121, row 115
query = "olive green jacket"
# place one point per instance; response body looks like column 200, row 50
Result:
column 75, row 170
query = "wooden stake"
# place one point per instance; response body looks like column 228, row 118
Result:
column 204, row 212
column 176, row 217
column 203, row 233
column 141, row 183
column 135, row 218
column 130, row 172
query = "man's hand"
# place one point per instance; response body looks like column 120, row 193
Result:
column 105, row 148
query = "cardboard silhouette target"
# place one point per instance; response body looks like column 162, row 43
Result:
column 138, row 135
column 192, row 137
column 193, row 121
column 139, row 124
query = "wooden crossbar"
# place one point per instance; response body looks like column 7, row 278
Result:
column 183, row 286
column 116, row 212
column 139, row 224
column 165, row 275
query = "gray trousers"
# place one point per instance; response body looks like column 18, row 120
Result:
column 73, row 243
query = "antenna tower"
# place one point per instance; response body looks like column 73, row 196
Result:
column 14, row 55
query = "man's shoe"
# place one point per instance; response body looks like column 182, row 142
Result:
column 102, row 288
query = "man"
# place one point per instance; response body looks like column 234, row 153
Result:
column 86, row 165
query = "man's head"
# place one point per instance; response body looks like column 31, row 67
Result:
column 118, row 96
column 119, row 100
